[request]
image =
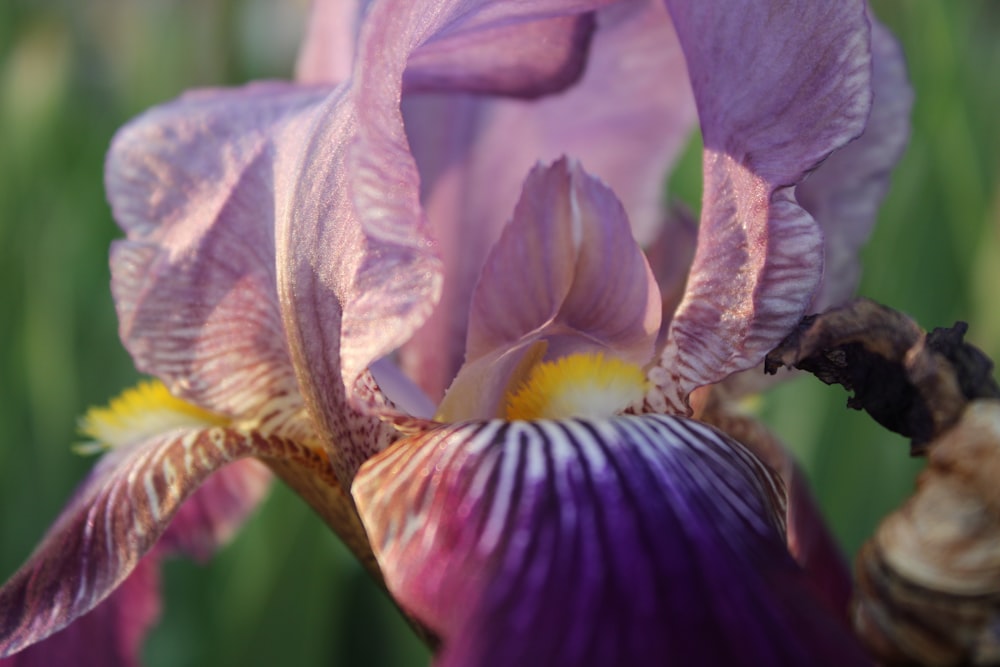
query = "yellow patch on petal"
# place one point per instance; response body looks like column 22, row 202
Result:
column 143, row 411
column 578, row 385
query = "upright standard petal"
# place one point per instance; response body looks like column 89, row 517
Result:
column 389, row 289
column 630, row 541
column 844, row 193
column 779, row 86
column 116, row 517
column 358, row 270
column 473, row 153
column 200, row 186
column 191, row 183
column 566, row 273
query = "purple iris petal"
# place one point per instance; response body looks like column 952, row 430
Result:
column 278, row 243
column 526, row 59
column 779, row 86
column 844, row 193
column 473, row 153
column 565, row 271
column 631, row 541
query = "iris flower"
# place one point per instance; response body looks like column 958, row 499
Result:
column 485, row 387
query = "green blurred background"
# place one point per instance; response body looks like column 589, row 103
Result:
column 285, row 592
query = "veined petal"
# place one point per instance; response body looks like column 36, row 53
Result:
column 115, row 517
column 349, row 236
column 110, row 635
column 844, row 192
column 202, row 187
column 472, row 172
column 630, row 541
column 191, row 183
column 797, row 88
column 809, row 540
column 566, row 271
column 566, row 265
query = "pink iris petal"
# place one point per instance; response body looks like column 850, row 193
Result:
column 216, row 510
column 566, row 271
column 327, row 53
column 779, row 86
column 632, row 541
column 500, row 49
column 191, row 183
column 358, row 270
column 473, row 153
column 389, row 290
column 110, row 635
column 201, row 186
column 843, row 194
column 118, row 514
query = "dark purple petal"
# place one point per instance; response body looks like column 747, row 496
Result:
column 191, row 183
column 809, row 539
column 779, row 86
column 844, row 193
column 110, row 635
column 473, row 154
column 631, row 541
column 565, row 271
column 115, row 517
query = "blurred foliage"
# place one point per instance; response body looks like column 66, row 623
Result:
column 286, row 592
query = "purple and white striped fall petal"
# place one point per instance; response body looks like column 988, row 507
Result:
column 627, row 541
